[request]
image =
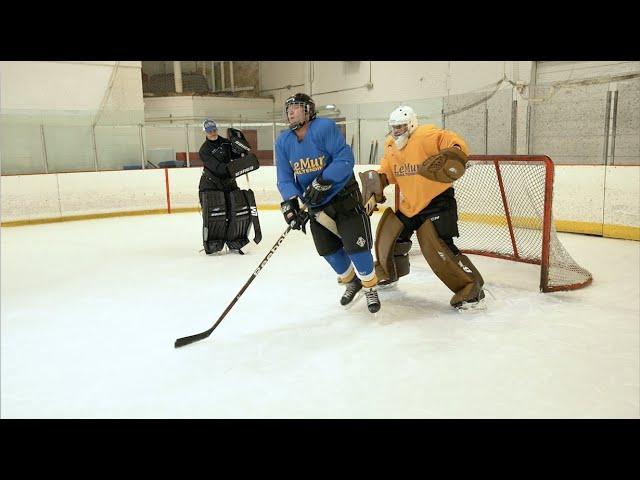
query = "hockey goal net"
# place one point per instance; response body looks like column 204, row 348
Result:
column 505, row 210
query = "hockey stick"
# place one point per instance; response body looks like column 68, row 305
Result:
column 180, row 342
column 370, row 206
column 327, row 222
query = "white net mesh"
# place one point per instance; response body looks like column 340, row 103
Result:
column 501, row 209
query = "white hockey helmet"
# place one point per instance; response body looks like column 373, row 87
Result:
column 404, row 116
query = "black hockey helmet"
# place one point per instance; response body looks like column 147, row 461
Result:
column 300, row 99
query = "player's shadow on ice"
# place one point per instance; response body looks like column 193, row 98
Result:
column 399, row 305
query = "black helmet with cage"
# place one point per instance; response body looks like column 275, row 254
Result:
column 309, row 108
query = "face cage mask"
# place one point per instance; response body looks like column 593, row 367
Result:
column 296, row 125
column 401, row 140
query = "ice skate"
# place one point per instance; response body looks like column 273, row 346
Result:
column 387, row 284
column 373, row 302
column 476, row 303
column 353, row 291
column 212, row 247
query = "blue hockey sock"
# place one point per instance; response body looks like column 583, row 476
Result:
column 363, row 261
column 339, row 261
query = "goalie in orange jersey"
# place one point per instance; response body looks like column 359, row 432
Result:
column 422, row 161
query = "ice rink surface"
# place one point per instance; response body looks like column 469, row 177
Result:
column 91, row 309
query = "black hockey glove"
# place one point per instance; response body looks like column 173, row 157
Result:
column 243, row 165
column 315, row 193
column 296, row 218
column 239, row 143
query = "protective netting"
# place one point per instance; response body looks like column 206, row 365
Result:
column 505, row 211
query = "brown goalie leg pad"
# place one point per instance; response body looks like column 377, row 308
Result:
column 401, row 257
column 453, row 270
column 380, row 273
column 389, row 228
column 472, row 290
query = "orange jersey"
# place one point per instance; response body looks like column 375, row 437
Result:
column 401, row 166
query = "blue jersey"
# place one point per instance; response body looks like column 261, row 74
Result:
column 322, row 151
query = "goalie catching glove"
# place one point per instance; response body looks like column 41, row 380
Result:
column 239, row 143
column 240, row 147
column 446, row 166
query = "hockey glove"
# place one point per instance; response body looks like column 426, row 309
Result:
column 446, row 166
column 243, row 165
column 373, row 184
column 315, row 193
column 296, row 218
column 239, row 143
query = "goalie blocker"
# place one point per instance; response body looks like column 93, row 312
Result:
column 247, row 161
column 243, row 165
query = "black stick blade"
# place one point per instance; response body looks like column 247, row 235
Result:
column 199, row 336
column 181, row 342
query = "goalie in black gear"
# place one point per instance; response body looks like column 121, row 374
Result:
column 227, row 211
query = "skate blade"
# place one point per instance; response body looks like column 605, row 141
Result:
column 388, row 286
column 471, row 307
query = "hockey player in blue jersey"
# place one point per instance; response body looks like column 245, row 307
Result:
column 315, row 164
